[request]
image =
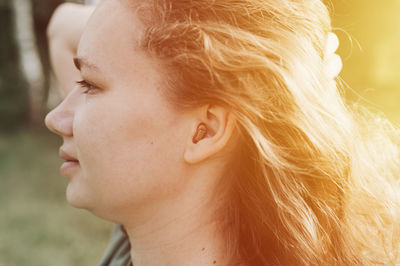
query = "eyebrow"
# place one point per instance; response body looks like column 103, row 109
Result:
column 80, row 61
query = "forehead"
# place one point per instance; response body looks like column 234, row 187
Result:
column 113, row 31
column 111, row 43
column 116, row 14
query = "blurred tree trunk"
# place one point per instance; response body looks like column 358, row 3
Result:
column 31, row 65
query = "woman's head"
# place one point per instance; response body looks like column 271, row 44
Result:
column 135, row 149
column 277, row 131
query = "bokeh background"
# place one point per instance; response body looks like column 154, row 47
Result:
column 37, row 226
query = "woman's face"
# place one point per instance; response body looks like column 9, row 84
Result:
column 127, row 138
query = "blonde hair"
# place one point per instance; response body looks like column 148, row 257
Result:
column 317, row 182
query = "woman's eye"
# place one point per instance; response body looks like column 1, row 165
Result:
column 89, row 88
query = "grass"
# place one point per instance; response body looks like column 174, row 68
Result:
column 37, row 226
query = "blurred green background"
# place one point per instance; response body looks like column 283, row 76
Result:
column 37, row 226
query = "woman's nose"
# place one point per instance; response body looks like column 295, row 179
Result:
column 59, row 121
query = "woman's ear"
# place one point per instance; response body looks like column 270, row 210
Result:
column 210, row 133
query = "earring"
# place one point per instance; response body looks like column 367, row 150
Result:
column 200, row 133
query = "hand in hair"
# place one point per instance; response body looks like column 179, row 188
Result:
column 64, row 32
column 333, row 62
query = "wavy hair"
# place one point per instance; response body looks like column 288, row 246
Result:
column 316, row 182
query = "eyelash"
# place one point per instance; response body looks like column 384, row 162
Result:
column 87, row 86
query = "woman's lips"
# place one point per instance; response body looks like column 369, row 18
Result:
column 69, row 166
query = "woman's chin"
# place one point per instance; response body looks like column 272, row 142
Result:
column 77, row 198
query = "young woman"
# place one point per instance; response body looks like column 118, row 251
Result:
column 212, row 132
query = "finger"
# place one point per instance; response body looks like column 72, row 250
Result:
column 333, row 66
column 332, row 44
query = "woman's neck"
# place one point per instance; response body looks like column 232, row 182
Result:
column 178, row 244
column 183, row 231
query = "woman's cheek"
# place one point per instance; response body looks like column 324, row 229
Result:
column 88, row 136
column 119, row 146
column 102, row 133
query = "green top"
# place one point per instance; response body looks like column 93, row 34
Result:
column 118, row 250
